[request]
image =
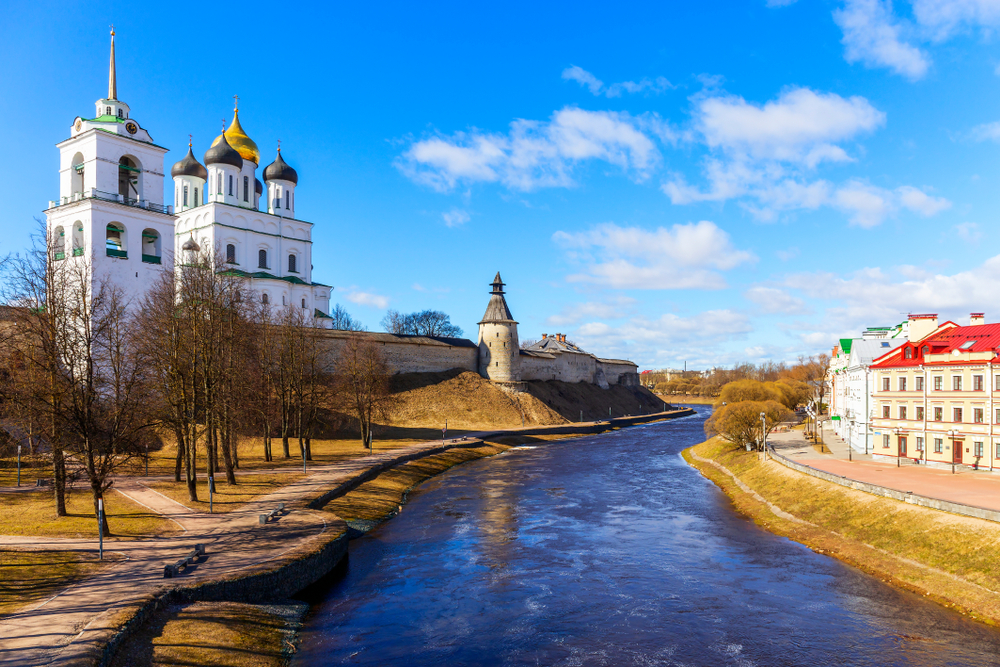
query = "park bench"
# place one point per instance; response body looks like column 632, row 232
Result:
column 277, row 511
column 172, row 570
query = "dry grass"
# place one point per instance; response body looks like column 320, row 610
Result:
column 32, row 468
column 33, row 513
column 27, row 577
column 569, row 399
column 207, row 633
column 689, row 400
column 226, row 497
column 947, row 557
column 380, row 498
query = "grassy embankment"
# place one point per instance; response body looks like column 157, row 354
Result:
column 691, row 400
column 27, row 577
column 229, row 634
column 948, row 558
column 226, row 497
column 33, row 513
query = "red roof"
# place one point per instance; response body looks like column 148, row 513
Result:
column 978, row 338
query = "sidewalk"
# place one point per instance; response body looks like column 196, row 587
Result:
column 965, row 486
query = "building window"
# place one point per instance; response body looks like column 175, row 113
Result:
column 246, row 188
column 885, row 384
column 938, row 445
column 977, row 383
column 920, row 413
column 920, row 444
column 908, row 353
column 902, row 384
column 262, row 259
column 920, row 383
column 956, row 415
column 185, row 195
column 938, row 414
column 885, row 412
column 219, row 182
column 265, row 299
column 288, row 200
column 196, row 197
column 230, row 185
column 977, row 449
column 902, row 412
column 998, row 416
column 303, row 303
column 938, row 383
column 230, row 253
column 996, row 387
column 977, row 415
column 956, row 383
column 291, row 264
column 885, row 441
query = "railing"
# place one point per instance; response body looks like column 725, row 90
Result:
column 111, row 197
column 123, row 254
column 77, row 252
column 151, row 259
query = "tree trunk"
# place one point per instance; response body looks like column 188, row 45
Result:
column 227, row 457
column 59, row 478
column 309, row 454
column 191, row 473
column 180, row 453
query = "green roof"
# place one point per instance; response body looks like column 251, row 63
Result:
column 106, row 119
column 845, row 345
column 321, row 315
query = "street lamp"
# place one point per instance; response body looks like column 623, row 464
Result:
column 952, row 433
column 897, row 431
column 763, row 431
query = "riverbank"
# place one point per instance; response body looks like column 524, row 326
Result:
column 944, row 557
column 375, row 493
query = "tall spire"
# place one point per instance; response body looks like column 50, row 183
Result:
column 112, row 82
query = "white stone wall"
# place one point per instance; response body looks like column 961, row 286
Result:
column 409, row 356
column 499, row 350
column 579, row 367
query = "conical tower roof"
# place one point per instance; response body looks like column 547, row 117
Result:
column 497, row 310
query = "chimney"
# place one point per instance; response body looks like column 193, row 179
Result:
column 976, row 319
column 921, row 326
column 544, row 336
column 562, row 338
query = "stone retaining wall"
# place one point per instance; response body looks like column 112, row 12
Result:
column 875, row 489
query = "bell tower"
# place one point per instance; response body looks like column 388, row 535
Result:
column 110, row 210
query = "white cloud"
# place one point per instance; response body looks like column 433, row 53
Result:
column 969, row 232
column 873, row 36
column 533, row 154
column 456, row 217
column 366, row 298
column 919, row 202
column 787, row 254
column 945, row 17
column 597, row 87
column 987, row 131
column 868, row 205
column 801, row 126
column 686, row 256
column 773, row 300
column 610, row 309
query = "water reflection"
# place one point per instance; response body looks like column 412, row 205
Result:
column 610, row 551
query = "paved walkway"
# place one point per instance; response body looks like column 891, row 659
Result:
column 235, row 540
column 966, row 486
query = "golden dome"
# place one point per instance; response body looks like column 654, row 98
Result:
column 239, row 140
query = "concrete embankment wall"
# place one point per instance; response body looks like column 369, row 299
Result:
column 875, row 489
column 306, row 564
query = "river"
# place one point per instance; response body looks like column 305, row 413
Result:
column 610, row 550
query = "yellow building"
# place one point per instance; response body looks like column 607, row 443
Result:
column 937, row 398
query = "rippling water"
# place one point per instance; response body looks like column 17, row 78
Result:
column 610, row 550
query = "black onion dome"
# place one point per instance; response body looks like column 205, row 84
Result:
column 189, row 166
column 279, row 171
column 191, row 245
column 223, row 153
column 258, row 186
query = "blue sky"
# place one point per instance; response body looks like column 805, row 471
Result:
column 707, row 182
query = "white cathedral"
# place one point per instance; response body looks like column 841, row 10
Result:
column 111, row 208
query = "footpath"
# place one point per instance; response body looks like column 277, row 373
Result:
column 66, row 628
column 975, row 488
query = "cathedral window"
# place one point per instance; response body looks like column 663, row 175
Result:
column 107, row 111
column 196, row 197
column 230, row 185
column 230, row 253
column 246, row 189
column 265, row 299
column 288, row 200
column 185, row 199
column 303, row 303
column 262, row 259
column 291, row 264
column 219, row 181
column 120, row 114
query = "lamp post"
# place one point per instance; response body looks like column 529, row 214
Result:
column 763, row 431
column 952, row 433
column 897, row 431
column 19, row 465
column 100, row 528
column 850, row 438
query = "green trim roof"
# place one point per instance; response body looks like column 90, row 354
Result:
column 845, row 345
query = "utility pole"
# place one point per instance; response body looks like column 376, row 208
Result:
column 100, row 528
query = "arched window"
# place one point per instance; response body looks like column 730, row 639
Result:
column 290, row 194
column 262, row 259
column 230, row 253
column 219, row 181
column 59, row 242
column 121, row 114
column 128, row 178
column 303, row 302
column 77, row 239
column 288, row 199
column 107, row 111
column 196, row 202
column 291, row 264
column 230, row 185
column 114, row 244
column 185, row 195
column 265, row 299
column 77, row 175
column 246, row 188
column 150, row 246
column 908, row 353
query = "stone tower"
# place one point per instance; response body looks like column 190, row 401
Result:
column 499, row 350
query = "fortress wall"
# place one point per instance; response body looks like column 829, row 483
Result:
column 404, row 355
column 619, row 372
column 566, row 367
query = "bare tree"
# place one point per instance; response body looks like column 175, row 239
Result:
column 422, row 323
column 741, row 424
column 362, row 385
column 395, row 322
column 342, row 320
